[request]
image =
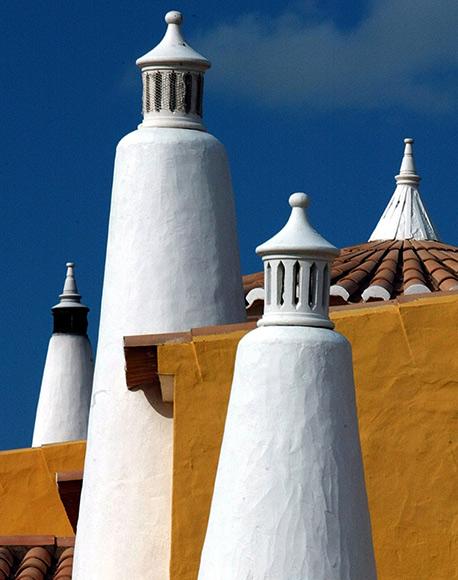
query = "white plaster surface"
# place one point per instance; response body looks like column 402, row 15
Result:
column 375, row 291
column 405, row 218
column 172, row 264
column 173, row 49
column 289, row 500
column 417, row 289
column 63, row 406
column 255, row 294
column 337, row 290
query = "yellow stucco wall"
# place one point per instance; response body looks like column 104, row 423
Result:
column 29, row 499
column 406, row 374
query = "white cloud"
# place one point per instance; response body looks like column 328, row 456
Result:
column 396, row 56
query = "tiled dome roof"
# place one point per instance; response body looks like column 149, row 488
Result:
column 402, row 256
column 388, row 269
column 385, row 270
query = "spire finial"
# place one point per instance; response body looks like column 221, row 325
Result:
column 299, row 199
column 70, row 297
column 408, row 171
column 174, row 17
column 70, row 292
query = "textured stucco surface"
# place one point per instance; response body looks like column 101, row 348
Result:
column 289, row 500
column 65, row 393
column 29, row 499
column 406, row 377
column 172, row 264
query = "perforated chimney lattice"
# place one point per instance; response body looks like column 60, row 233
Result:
column 147, row 94
column 187, row 92
column 180, row 93
column 172, row 91
column 199, row 98
column 157, row 91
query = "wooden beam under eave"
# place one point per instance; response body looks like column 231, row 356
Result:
column 141, row 366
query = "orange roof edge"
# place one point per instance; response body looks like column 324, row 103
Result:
column 182, row 337
column 28, row 541
column 69, row 476
column 149, row 340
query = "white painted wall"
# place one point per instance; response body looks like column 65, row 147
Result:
column 172, row 264
column 289, row 500
column 63, row 405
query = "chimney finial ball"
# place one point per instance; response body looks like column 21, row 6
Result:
column 70, row 264
column 408, row 140
column 174, row 17
column 299, row 200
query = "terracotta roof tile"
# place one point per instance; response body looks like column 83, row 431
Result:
column 383, row 270
column 6, row 563
column 35, row 564
column 28, row 561
column 64, row 565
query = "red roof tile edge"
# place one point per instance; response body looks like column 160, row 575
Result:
column 32, row 541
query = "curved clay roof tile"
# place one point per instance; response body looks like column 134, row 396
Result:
column 385, row 270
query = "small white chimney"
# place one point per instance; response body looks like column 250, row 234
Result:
column 63, row 405
column 289, row 501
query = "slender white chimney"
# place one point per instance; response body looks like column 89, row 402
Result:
column 63, row 405
column 289, row 501
column 172, row 264
column 405, row 217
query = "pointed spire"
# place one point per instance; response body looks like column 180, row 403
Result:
column 408, row 172
column 172, row 75
column 70, row 297
column 70, row 291
column 70, row 316
column 405, row 216
column 296, row 270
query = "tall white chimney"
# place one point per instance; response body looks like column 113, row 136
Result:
column 289, row 501
column 172, row 264
column 65, row 394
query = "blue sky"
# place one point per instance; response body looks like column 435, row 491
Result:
column 306, row 96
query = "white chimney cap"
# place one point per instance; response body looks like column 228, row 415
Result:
column 173, row 51
column 298, row 237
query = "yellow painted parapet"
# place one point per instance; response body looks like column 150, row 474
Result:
column 406, row 372
column 29, row 499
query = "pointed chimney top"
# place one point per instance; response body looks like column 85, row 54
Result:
column 298, row 237
column 405, row 217
column 296, row 272
column 173, row 50
column 173, row 81
column 408, row 171
column 70, row 297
